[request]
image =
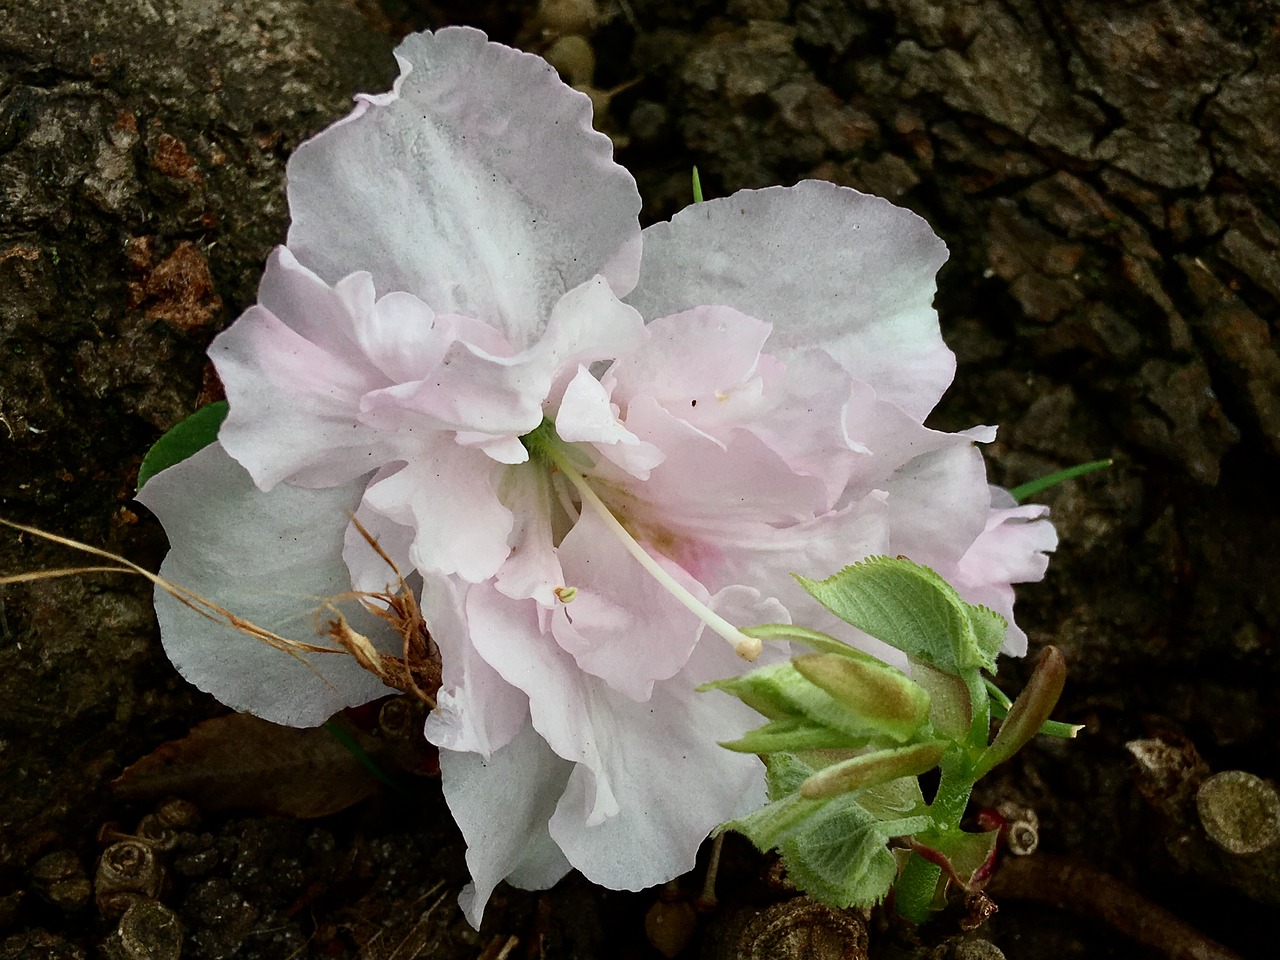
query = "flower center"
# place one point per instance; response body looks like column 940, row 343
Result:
column 546, row 446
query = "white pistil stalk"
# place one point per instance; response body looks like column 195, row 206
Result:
column 746, row 647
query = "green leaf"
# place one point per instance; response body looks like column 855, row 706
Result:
column 841, row 857
column 967, row 858
column 697, row 186
column 182, row 441
column 1032, row 487
column 835, row 850
column 950, row 708
column 913, row 609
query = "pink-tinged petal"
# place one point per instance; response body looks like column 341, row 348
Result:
column 587, row 415
column 827, row 266
column 533, row 569
column 1013, row 548
column 938, row 505
column 589, row 323
column 502, row 805
column 508, row 634
column 471, row 391
column 726, row 482
column 621, row 625
column 269, row 558
column 398, row 334
column 699, row 356
column 476, row 710
column 309, row 306
column 448, row 495
column 664, row 763
column 477, row 184
column 294, row 406
column 891, row 438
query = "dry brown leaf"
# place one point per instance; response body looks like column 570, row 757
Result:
column 239, row 762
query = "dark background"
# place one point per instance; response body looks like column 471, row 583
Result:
column 1107, row 176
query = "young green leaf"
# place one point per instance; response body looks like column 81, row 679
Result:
column 183, row 440
column 912, row 608
column 779, row 692
column 841, row 856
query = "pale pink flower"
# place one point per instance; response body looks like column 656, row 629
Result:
column 743, row 403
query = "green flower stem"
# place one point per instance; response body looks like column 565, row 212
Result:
column 746, row 647
column 915, row 888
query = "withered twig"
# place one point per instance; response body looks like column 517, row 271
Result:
column 1074, row 886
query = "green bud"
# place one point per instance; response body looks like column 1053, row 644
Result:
column 1029, row 711
column 884, row 696
column 951, row 710
column 871, row 769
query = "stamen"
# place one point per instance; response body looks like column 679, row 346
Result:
column 746, row 647
column 565, row 594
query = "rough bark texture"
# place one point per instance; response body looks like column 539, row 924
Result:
column 1107, row 175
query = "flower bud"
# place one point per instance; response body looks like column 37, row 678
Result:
column 886, row 698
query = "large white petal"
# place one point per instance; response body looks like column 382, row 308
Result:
column 270, row 558
column 673, row 781
column 502, row 806
column 827, row 266
column 477, row 184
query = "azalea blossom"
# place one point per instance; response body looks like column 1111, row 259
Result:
column 591, row 449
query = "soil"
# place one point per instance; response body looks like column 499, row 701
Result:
column 1106, row 176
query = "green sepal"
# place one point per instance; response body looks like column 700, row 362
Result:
column 965, row 858
column 875, row 691
column 183, row 440
column 913, row 609
column 815, row 639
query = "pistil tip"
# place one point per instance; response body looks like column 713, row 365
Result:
column 748, row 648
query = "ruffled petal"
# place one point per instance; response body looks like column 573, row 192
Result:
column 664, row 762
column 269, row 558
column 938, row 505
column 476, row 710
column 1013, row 548
column 477, row 184
column 448, row 495
column 502, row 806
column 827, row 266
column 295, row 403
column 508, row 634
column 588, row 415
